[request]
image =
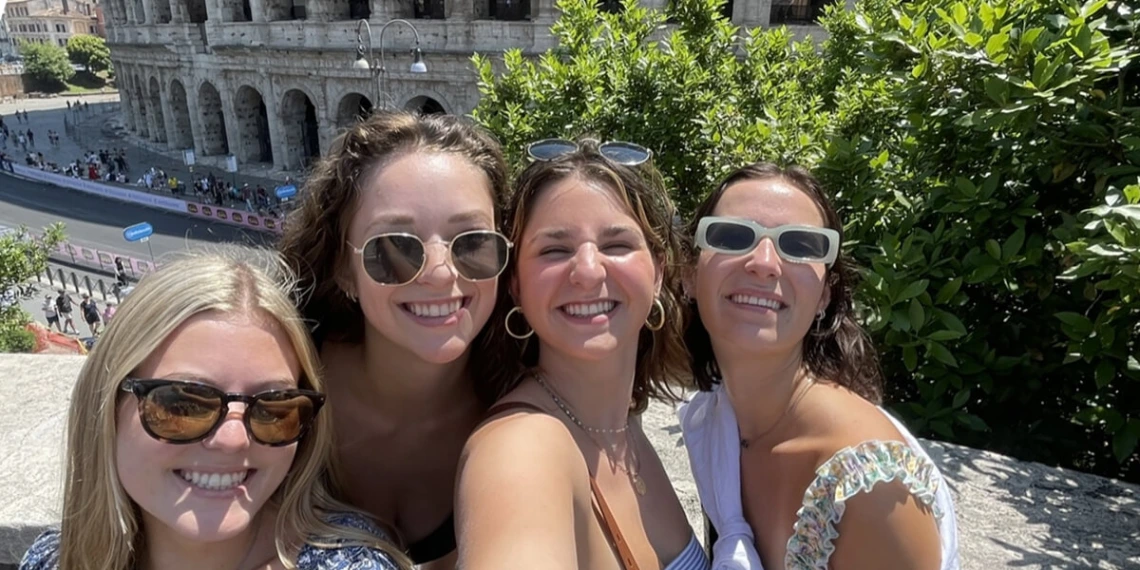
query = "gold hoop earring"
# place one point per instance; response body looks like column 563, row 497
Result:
column 660, row 310
column 507, row 325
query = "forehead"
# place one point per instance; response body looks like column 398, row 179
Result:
column 426, row 187
column 575, row 201
column 771, row 202
column 234, row 352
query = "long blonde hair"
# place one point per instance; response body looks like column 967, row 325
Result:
column 101, row 527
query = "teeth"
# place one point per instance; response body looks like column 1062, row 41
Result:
column 756, row 301
column 590, row 309
column 435, row 309
column 214, row 481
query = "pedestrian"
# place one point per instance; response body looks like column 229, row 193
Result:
column 69, row 105
column 90, row 311
column 108, row 313
column 50, row 313
column 120, row 272
column 31, row 138
column 63, row 306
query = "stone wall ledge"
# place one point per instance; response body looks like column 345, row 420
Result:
column 1011, row 513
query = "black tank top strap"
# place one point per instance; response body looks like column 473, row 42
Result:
column 436, row 545
column 505, row 406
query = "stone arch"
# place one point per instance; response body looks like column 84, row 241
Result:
column 140, row 12
column 252, row 118
column 300, row 127
column 141, row 104
column 180, row 115
column 119, row 14
column 353, row 107
column 214, row 139
column 236, row 10
column 276, row 10
column 426, row 105
column 196, row 11
column 154, row 103
column 161, row 11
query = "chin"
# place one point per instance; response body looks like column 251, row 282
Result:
column 206, row 526
column 449, row 350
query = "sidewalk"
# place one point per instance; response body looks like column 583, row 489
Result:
column 100, row 127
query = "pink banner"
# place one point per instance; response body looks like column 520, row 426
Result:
column 236, row 217
column 100, row 259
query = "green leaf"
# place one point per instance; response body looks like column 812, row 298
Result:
column 952, row 322
column 914, row 289
column 1030, row 36
column 961, row 398
column 917, row 315
column 960, row 13
column 1105, row 372
column 919, row 69
column 973, row 39
column 971, row 421
column 997, row 90
column 1013, row 245
column 910, row 358
column 942, row 354
column 948, row 291
column 1091, row 8
column 1125, row 440
column 1082, row 43
column 944, row 334
column 993, row 248
column 1076, row 320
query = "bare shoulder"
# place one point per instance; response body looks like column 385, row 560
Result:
column 887, row 527
column 521, row 488
column 838, row 418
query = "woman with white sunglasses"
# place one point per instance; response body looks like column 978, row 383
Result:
column 397, row 249
column 796, row 464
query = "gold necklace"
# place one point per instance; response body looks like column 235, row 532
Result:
column 635, row 475
column 745, row 442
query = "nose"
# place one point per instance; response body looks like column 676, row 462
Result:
column 586, row 266
column 231, row 436
column 438, row 267
column 764, row 261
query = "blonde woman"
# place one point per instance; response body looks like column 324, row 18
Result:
column 195, row 438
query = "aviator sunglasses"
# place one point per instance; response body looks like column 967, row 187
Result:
column 399, row 258
column 175, row 411
column 623, row 153
column 798, row 244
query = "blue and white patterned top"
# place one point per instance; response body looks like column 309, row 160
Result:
column 44, row 553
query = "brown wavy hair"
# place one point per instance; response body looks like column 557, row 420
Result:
column 840, row 351
column 661, row 355
column 314, row 241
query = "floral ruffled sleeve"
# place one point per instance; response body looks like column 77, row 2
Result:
column 850, row 471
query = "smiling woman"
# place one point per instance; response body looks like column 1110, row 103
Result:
column 196, row 422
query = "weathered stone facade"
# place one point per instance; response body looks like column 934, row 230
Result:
column 273, row 81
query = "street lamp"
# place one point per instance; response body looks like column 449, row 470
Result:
column 377, row 67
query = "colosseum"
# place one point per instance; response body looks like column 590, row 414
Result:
column 273, row 81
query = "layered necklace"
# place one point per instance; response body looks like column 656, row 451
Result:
column 593, row 432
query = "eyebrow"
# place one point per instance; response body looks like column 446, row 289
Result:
column 406, row 220
column 563, row 233
column 259, row 386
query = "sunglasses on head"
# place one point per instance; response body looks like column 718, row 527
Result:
column 623, row 153
column 798, row 244
column 175, row 411
column 399, row 258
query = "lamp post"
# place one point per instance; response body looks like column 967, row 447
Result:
column 377, row 67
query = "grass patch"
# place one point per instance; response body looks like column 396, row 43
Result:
column 81, row 82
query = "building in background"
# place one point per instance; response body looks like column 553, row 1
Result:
column 50, row 21
column 274, row 81
column 7, row 46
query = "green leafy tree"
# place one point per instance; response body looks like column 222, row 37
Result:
column 89, row 51
column 22, row 257
column 983, row 154
column 46, row 63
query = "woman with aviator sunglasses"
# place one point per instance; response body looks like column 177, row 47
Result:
column 397, row 249
column 796, row 464
column 561, row 476
column 196, row 437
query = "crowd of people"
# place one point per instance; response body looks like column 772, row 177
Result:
column 57, row 312
column 444, row 366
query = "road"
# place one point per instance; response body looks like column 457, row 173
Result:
column 98, row 223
